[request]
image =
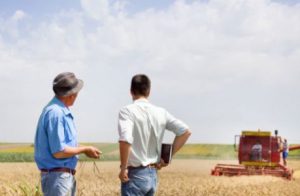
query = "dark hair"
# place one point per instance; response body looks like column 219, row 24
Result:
column 140, row 85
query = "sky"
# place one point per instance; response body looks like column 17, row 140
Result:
column 220, row 66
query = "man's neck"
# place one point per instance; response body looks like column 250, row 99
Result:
column 134, row 97
column 63, row 100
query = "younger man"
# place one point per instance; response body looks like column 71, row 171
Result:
column 141, row 128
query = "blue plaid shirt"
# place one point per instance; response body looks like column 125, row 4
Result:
column 55, row 131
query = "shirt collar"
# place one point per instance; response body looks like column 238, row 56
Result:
column 65, row 109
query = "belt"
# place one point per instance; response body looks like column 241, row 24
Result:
column 152, row 165
column 60, row 169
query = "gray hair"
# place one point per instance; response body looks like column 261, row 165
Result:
column 66, row 83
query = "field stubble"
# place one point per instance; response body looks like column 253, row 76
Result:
column 182, row 177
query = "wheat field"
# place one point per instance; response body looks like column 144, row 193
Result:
column 182, row 178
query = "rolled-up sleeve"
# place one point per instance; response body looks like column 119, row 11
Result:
column 56, row 132
column 125, row 126
column 175, row 125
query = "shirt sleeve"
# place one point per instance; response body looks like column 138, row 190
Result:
column 56, row 132
column 175, row 125
column 125, row 126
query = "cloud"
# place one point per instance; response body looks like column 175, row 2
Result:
column 96, row 9
column 103, row 10
column 10, row 26
column 218, row 65
column 18, row 15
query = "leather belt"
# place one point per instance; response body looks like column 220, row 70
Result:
column 152, row 165
column 60, row 169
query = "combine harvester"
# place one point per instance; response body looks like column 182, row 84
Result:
column 259, row 154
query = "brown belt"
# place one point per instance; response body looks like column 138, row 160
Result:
column 152, row 165
column 60, row 169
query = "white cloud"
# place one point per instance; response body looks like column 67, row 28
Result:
column 220, row 65
column 96, row 9
column 10, row 27
column 18, row 15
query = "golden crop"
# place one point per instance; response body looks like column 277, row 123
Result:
column 182, row 178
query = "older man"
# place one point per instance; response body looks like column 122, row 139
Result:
column 141, row 129
column 56, row 146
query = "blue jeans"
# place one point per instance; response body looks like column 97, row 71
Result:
column 142, row 181
column 58, row 184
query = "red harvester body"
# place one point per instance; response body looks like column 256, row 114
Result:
column 264, row 159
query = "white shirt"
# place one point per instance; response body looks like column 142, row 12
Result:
column 285, row 147
column 143, row 125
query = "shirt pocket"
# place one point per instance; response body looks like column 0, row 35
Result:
column 70, row 131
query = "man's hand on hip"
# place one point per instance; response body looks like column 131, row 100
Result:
column 161, row 164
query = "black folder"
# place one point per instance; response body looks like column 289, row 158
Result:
column 166, row 152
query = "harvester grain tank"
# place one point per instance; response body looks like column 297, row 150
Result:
column 259, row 153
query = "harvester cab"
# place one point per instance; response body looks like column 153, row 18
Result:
column 258, row 154
column 258, row 148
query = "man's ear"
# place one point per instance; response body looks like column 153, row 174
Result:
column 133, row 95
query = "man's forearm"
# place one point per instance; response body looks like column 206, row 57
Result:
column 124, row 153
column 179, row 141
column 69, row 152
